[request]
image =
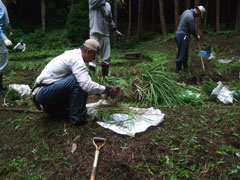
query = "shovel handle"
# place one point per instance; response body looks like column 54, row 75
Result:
column 99, row 139
column 203, row 67
column 93, row 175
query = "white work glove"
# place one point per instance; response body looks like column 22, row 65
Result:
column 198, row 37
column 7, row 42
column 119, row 35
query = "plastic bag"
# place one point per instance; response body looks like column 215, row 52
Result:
column 20, row 88
column 212, row 55
column 223, row 94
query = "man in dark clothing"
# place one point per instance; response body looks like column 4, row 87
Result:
column 185, row 29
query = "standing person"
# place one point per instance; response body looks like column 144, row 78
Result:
column 21, row 46
column 64, row 84
column 3, row 4
column 185, row 29
column 4, row 22
column 100, row 21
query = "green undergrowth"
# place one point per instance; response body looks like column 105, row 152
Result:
column 198, row 139
column 34, row 54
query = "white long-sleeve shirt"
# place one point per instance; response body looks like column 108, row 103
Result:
column 100, row 17
column 20, row 46
column 70, row 62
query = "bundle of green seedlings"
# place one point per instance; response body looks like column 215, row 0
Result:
column 156, row 87
column 208, row 86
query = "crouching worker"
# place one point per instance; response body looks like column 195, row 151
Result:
column 64, row 84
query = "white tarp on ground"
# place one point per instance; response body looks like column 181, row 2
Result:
column 129, row 124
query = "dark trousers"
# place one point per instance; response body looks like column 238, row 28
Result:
column 64, row 96
column 183, row 45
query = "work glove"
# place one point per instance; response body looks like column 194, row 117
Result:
column 119, row 35
column 198, row 37
column 7, row 42
column 110, row 91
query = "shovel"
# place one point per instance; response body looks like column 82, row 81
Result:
column 200, row 51
column 103, row 142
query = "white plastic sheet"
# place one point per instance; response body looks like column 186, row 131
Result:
column 126, row 124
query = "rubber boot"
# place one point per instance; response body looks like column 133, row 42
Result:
column 92, row 69
column 178, row 67
column 105, row 69
column 185, row 67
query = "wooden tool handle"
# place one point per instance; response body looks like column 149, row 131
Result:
column 203, row 67
column 93, row 175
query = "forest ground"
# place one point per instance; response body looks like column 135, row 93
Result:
column 193, row 142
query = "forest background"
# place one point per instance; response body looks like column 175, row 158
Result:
column 136, row 19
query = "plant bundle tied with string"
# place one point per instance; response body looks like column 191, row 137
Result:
column 155, row 87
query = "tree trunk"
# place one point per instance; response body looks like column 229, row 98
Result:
column 176, row 11
column 139, row 30
column 187, row 4
column 129, row 19
column 238, row 18
column 197, row 3
column 153, row 16
column 62, row 14
column 206, row 15
column 43, row 14
column 162, row 18
column 217, row 16
column 71, row 4
column 198, row 20
column 115, row 17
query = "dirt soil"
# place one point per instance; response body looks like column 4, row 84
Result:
column 36, row 146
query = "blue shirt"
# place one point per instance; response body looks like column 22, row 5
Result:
column 187, row 23
column 2, row 24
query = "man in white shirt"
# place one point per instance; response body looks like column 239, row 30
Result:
column 21, row 46
column 64, row 84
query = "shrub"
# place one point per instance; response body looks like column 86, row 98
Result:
column 78, row 22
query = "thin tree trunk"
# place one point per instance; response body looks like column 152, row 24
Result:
column 62, row 14
column 21, row 9
column 198, row 19
column 176, row 11
column 71, row 4
column 162, row 18
column 129, row 19
column 206, row 15
column 43, row 14
column 115, row 17
column 238, row 18
column 139, row 31
column 217, row 16
column 187, row 4
column 153, row 15
column 196, row 3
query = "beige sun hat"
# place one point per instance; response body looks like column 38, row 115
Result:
column 93, row 45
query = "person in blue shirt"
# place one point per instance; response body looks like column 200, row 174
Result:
column 186, row 27
column 4, row 41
